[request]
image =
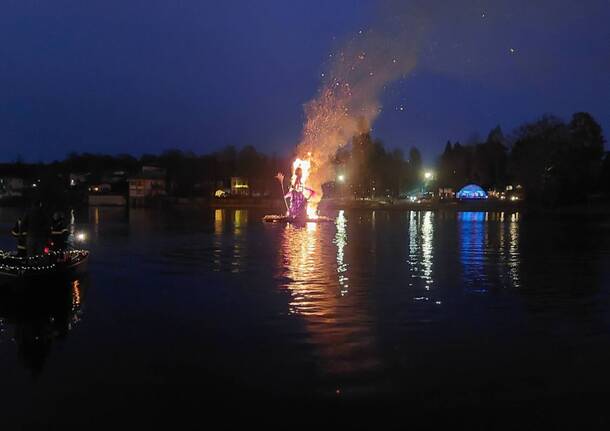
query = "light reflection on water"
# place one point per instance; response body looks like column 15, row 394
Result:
column 303, row 264
column 240, row 220
column 510, row 249
column 230, row 226
column 219, row 217
column 332, row 272
column 421, row 248
column 315, row 268
column 473, row 229
column 341, row 241
column 489, row 250
column 373, row 302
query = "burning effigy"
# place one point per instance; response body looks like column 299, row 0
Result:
column 299, row 193
column 299, row 200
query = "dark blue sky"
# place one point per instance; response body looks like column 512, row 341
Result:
column 143, row 76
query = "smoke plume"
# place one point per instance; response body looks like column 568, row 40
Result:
column 348, row 100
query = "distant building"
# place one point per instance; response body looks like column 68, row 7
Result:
column 11, row 187
column 77, row 178
column 471, row 192
column 114, row 177
column 239, row 186
column 100, row 188
column 445, row 193
column 513, row 193
column 150, row 183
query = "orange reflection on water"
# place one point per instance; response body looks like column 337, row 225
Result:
column 304, row 266
column 77, row 299
column 314, row 261
column 75, row 294
column 229, row 252
column 219, row 216
column 240, row 219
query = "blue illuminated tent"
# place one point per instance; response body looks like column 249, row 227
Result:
column 471, row 191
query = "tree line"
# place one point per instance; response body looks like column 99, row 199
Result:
column 555, row 161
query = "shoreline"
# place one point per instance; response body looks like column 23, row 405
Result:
column 595, row 209
column 335, row 205
column 276, row 205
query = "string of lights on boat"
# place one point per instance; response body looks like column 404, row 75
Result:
column 23, row 264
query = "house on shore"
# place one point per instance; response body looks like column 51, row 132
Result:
column 110, row 190
column 240, row 186
column 15, row 182
column 11, row 187
column 148, row 186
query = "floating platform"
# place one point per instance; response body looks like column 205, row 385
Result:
column 273, row 218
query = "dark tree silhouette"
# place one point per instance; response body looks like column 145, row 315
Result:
column 558, row 162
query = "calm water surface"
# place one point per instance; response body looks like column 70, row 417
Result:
column 434, row 309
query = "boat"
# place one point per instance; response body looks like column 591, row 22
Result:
column 274, row 218
column 49, row 264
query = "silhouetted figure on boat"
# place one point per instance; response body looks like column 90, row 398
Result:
column 59, row 232
column 20, row 232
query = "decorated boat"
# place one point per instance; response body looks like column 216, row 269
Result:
column 49, row 264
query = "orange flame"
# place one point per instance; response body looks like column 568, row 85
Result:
column 305, row 165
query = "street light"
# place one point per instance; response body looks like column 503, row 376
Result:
column 428, row 175
column 341, row 178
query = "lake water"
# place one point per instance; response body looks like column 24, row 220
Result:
column 431, row 310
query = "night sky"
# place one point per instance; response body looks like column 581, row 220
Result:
column 143, row 76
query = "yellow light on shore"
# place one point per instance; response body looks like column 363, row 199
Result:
column 428, row 175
